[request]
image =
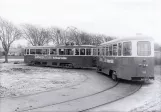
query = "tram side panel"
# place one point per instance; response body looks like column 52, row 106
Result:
column 122, row 66
column 129, row 68
column 126, row 68
column 75, row 61
column 29, row 58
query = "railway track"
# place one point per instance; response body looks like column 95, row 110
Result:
column 91, row 101
column 70, row 100
column 154, row 100
column 59, row 95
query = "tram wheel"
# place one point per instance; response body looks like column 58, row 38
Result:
column 98, row 69
column 114, row 77
column 70, row 66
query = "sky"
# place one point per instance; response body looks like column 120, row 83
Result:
column 119, row 18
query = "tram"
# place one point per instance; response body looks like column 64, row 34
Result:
column 127, row 58
column 69, row 56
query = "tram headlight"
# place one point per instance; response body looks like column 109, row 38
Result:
column 144, row 60
column 145, row 65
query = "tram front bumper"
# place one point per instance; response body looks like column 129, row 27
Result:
column 141, row 78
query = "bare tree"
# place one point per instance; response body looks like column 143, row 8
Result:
column 85, row 38
column 58, row 35
column 8, row 34
column 36, row 36
column 74, row 35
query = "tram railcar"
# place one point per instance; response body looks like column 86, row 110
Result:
column 128, row 58
column 69, row 56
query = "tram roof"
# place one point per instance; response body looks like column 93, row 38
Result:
column 62, row 46
column 128, row 39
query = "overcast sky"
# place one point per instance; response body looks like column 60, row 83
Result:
column 110, row 17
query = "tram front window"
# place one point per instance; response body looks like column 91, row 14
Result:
column 143, row 48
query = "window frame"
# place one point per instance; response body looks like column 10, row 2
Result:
column 60, row 50
column 52, row 51
column 38, row 49
column 95, row 53
column 120, row 49
column 114, row 50
column 107, row 50
column 111, row 50
column 130, row 47
column 144, row 51
column 46, row 51
column 90, row 50
column 84, row 51
column 67, row 52
column 77, row 52
column 34, row 51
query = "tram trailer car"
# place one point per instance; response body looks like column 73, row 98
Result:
column 128, row 58
column 76, row 56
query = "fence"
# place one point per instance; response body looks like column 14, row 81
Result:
column 157, row 55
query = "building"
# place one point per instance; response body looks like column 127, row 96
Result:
column 13, row 52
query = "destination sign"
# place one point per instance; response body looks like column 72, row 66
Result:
column 49, row 57
column 106, row 60
column 64, row 58
column 43, row 57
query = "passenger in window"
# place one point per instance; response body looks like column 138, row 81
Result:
column 82, row 52
column 76, row 51
column 88, row 51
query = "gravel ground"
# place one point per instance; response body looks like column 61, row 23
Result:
column 19, row 79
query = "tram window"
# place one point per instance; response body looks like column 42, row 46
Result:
column 27, row 51
column 32, row 51
column 53, row 51
column 107, row 50
column 98, row 51
column 110, row 50
column 114, row 49
column 82, row 51
column 143, row 48
column 88, row 51
column 94, row 51
column 103, row 51
column 68, row 51
column 45, row 51
column 38, row 51
column 61, row 52
column 127, row 48
column 76, row 51
column 119, row 49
